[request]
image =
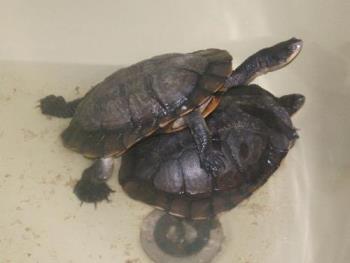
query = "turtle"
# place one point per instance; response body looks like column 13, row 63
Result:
column 250, row 128
column 163, row 94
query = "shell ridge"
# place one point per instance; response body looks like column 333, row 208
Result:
column 152, row 93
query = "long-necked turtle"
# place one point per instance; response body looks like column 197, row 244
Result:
column 250, row 128
column 170, row 92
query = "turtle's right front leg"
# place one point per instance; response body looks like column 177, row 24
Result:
column 92, row 187
column 58, row 107
column 211, row 160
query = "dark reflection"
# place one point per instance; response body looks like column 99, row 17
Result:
column 166, row 238
column 181, row 237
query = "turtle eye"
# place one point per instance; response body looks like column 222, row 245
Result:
column 243, row 151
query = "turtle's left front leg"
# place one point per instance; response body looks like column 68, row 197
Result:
column 211, row 160
column 92, row 187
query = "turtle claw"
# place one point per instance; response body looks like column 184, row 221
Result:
column 90, row 191
column 213, row 162
column 92, row 187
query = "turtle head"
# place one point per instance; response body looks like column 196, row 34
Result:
column 280, row 55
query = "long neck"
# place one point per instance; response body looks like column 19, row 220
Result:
column 246, row 72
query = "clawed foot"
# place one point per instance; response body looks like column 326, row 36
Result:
column 89, row 190
column 55, row 106
column 213, row 162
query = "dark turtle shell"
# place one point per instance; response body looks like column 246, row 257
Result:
column 253, row 131
column 135, row 101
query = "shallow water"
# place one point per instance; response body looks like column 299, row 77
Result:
column 300, row 215
column 300, row 208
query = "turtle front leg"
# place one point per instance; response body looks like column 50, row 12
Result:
column 92, row 187
column 58, row 107
column 211, row 160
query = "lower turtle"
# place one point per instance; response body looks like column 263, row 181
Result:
column 250, row 128
column 162, row 94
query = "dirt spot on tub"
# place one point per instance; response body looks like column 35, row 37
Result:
column 28, row 135
column 71, row 182
column 133, row 260
column 128, row 249
column 53, row 181
column 256, row 209
column 77, row 90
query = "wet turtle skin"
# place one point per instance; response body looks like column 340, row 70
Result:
column 253, row 131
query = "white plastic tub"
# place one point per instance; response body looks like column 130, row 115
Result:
column 300, row 215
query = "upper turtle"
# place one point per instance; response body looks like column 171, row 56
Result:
column 135, row 101
column 161, row 92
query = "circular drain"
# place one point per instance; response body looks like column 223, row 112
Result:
column 166, row 238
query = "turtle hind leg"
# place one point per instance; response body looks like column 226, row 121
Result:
column 58, row 107
column 92, row 187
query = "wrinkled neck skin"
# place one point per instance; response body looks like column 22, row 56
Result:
column 237, row 79
column 250, row 69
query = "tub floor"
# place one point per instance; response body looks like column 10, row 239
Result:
column 300, row 215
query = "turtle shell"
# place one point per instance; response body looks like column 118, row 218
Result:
column 252, row 131
column 136, row 101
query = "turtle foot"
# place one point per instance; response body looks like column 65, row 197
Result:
column 89, row 190
column 55, row 106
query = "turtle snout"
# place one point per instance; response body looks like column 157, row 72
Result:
column 295, row 44
column 285, row 52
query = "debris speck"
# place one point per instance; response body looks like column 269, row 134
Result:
column 71, row 182
column 28, row 134
column 77, row 90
